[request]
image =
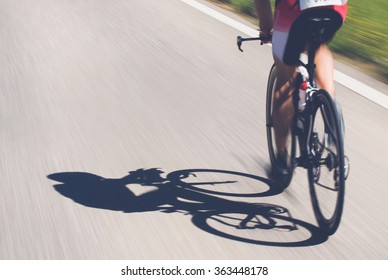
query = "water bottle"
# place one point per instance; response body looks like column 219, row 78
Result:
column 302, row 96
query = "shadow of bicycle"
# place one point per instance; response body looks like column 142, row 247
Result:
column 205, row 194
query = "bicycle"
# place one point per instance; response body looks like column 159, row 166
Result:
column 319, row 132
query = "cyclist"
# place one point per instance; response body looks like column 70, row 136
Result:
column 286, row 28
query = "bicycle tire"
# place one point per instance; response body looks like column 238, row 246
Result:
column 291, row 150
column 328, row 163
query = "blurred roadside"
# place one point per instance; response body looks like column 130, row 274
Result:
column 361, row 43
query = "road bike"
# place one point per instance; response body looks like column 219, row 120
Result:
column 319, row 131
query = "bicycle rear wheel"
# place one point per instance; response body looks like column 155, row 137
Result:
column 291, row 144
column 326, row 172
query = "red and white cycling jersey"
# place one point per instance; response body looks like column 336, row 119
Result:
column 288, row 12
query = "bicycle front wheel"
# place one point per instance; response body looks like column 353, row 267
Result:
column 271, row 132
column 327, row 167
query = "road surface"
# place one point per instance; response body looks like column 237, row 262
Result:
column 98, row 98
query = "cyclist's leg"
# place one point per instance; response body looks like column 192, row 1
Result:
column 283, row 109
column 325, row 77
column 325, row 69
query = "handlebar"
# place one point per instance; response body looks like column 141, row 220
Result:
column 262, row 38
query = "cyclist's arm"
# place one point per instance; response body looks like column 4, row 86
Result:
column 264, row 13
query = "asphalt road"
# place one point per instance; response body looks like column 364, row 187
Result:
column 92, row 90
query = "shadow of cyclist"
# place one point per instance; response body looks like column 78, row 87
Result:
column 113, row 194
column 173, row 195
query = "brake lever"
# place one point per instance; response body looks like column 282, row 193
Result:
column 262, row 38
column 239, row 43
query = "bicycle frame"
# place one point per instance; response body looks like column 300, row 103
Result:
column 302, row 120
column 305, row 117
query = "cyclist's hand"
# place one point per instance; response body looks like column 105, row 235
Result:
column 267, row 37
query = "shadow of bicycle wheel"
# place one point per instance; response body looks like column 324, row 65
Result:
column 223, row 182
column 260, row 227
